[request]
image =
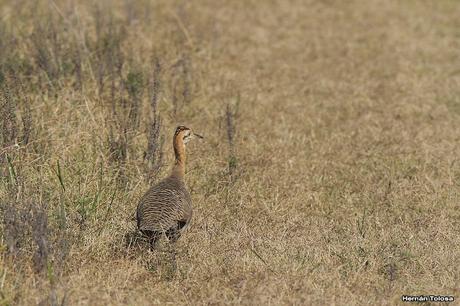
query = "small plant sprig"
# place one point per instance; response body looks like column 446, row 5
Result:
column 154, row 152
column 181, row 83
column 231, row 115
column 40, row 233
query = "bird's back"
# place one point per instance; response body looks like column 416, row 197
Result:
column 164, row 206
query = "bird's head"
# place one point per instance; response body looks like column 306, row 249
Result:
column 185, row 134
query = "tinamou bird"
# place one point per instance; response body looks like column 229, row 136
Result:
column 166, row 208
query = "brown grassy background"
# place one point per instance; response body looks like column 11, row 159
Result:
column 329, row 173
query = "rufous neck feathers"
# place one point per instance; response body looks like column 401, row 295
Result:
column 179, row 152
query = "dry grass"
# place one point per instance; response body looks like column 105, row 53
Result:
column 329, row 174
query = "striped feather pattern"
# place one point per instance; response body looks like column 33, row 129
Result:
column 165, row 206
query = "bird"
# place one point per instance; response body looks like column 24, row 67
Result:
column 166, row 208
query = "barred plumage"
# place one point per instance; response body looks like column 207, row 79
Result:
column 164, row 205
column 167, row 207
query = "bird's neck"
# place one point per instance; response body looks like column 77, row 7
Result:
column 179, row 152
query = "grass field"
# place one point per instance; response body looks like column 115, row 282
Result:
column 329, row 173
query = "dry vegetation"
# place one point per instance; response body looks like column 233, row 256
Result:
column 330, row 173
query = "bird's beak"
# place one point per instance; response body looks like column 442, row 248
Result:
column 198, row 135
